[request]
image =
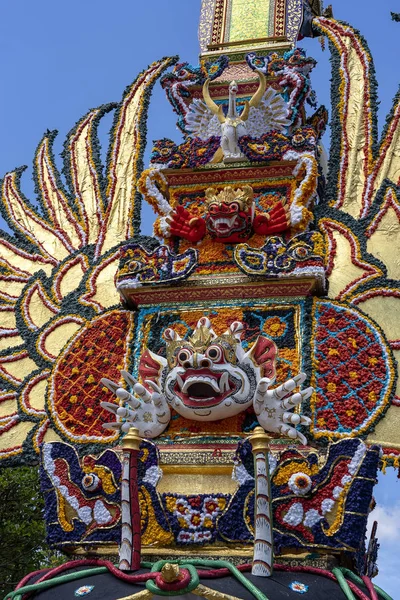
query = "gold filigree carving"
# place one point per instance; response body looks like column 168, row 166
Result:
column 243, row 196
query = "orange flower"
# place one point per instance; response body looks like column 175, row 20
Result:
column 274, row 326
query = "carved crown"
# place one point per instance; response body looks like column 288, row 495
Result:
column 243, row 196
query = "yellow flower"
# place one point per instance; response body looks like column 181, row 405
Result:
column 275, row 327
column 353, row 342
column 170, row 503
column 182, row 523
column 283, row 475
column 221, row 503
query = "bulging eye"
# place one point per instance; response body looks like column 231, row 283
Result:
column 214, row 353
column 300, row 484
column 213, row 208
column 91, row 482
column 234, row 206
column 184, row 355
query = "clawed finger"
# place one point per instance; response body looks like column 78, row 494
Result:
column 110, row 385
column 141, row 391
column 126, row 413
column 112, row 426
column 293, row 434
column 295, row 419
column 288, row 431
column 297, row 398
column 153, row 386
column 288, row 387
column 261, row 392
column 112, row 408
column 131, row 381
column 305, row 420
column 125, row 396
column 292, row 418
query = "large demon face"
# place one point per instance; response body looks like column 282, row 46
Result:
column 230, row 213
column 210, row 377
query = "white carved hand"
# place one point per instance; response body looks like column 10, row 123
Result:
column 150, row 413
column 272, row 406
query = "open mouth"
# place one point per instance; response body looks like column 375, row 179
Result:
column 223, row 224
column 202, row 388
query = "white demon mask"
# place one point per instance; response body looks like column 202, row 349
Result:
column 209, row 377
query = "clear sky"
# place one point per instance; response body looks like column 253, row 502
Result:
column 58, row 59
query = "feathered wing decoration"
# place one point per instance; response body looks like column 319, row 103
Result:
column 201, row 122
column 57, row 277
column 270, row 114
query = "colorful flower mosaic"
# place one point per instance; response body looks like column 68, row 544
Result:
column 82, row 497
column 273, row 145
column 353, row 372
column 193, row 518
column 139, row 266
column 191, row 154
column 302, row 254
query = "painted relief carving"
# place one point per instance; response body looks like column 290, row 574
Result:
column 208, row 378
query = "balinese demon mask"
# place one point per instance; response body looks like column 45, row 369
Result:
column 209, row 377
column 230, row 213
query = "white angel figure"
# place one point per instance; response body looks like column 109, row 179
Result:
column 266, row 111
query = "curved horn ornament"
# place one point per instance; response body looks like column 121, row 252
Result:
column 214, row 108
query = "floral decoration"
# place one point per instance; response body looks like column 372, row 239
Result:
column 59, row 263
column 297, row 586
column 84, row 590
column 329, row 509
column 193, row 518
column 274, row 144
column 99, row 349
column 302, row 254
column 292, row 70
column 139, row 266
column 353, row 372
column 193, row 153
column 178, row 84
column 76, row 511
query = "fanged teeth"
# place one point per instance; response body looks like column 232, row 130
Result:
column 225, row 221
column 179, row 380
column 200, row 378
column 223, row 382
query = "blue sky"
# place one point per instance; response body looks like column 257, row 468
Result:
column 58, row 59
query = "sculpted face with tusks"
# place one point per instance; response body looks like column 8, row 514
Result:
column 211, row 377
column 207, row 378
